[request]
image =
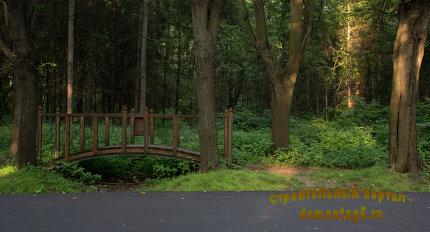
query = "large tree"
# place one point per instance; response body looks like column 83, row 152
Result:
column 414, row 18
column 282, row 75
column 70, row 55
column 15, row 44
column 206, row 16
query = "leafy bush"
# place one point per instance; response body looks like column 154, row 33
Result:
column 247, row 120
column 251, row 147
column 137, row 168
column 317, row 142
column 73, row 171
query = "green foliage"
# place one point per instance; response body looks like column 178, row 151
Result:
column 251, row 146
column 245, row 120
column 316, row 142
column 73, row 171
column 223, row 180
column 137, row 168
column 373, row 178
column 36, row 180
column 5, row 141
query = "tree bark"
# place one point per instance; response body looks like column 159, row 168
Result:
column 205, row 17
column 143, row 73
column 414, row 17
column 282, row 77
column 19, row 18
column 70, row 53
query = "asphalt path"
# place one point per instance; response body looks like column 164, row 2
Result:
column 202, row 211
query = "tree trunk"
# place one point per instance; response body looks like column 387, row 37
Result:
column 144, row 35
column 19, row 17
column 414, row 17
column 70, row 53
column 282, row 96
column 205, row 16
column 282, row 77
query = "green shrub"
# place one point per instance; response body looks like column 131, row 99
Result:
column 74, row 171
column 317, row 142
column 132, row 168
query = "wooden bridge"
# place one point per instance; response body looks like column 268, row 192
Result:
column 132, row 125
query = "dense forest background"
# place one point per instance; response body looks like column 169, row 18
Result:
column 349, row 56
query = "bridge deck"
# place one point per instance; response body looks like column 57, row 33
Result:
column 138, row 149
column 131, row 125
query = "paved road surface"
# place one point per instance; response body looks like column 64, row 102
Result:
column 212, row 211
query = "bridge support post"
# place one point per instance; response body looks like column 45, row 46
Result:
column 146, row 129
column 107, row 130
column 95, row 134
column 151, row 126
column 57, row 134
column 124, row 130
column 132, row 122
column 175, row 133
column 228, row 134
column 67, row 137
column 82, row 133
column 39, row 131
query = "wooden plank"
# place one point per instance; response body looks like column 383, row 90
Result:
column 107, row 130
column 226, row 135
column 146, row 131
column 175, row 134
column 67, row 138
column 124, row 130
column 230, row 135
column 57, row 135
column 151, row 127
column 39, row 131
column 82, row 133
column 133, row 127
column 165, row 151
column 95, row 134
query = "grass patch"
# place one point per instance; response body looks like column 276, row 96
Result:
column 223, row 180
column 373, row 178
column 36, row 180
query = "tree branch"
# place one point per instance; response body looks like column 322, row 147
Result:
column 214, row 16
column 248, row 26
column 307, row 21
column 262, row 42
column 30, row 6
column 5, row 47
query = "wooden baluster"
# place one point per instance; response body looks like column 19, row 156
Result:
column 146, row 129
column 226, row 135
column 39, row 131
column 107, row 130
column 95, row 134
column 82, row 134
column 230, row 135
column 67, row 137
column 57, row 134
column 175, row 133
column 132, row 122
column 151, row 126
column 124, row 130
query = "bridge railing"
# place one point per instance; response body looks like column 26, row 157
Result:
column 130, row 123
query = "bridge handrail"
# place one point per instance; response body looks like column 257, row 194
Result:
column 142, row 124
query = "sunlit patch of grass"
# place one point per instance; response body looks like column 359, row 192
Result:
column 223, row 180
column 373, row 178
column 4, row 171
column 36, row 180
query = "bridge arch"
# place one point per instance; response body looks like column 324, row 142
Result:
column 131, row 124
